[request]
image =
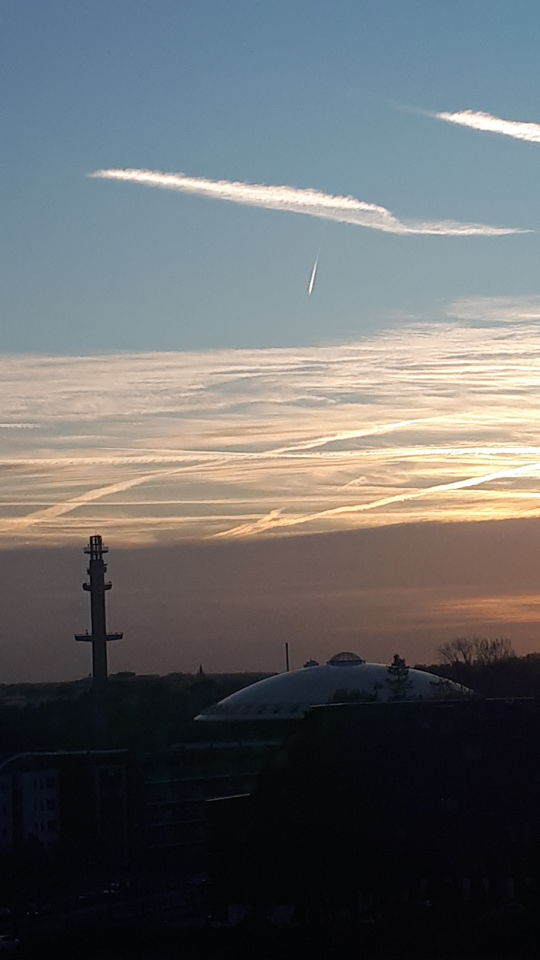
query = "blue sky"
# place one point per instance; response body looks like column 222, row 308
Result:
column 166, row 381
column 298, row 93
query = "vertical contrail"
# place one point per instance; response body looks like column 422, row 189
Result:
column 313, row 276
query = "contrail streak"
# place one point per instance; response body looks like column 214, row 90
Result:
column 477, row 120
column 61, row 509
column 312, row 203
column 273, row 520
column 211, row 459
column 312, row 277
column 377, row 430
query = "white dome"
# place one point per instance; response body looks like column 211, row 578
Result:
column 290, row 695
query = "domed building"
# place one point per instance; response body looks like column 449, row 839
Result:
column 343, row 679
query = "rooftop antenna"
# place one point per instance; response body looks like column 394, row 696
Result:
column 287, row 664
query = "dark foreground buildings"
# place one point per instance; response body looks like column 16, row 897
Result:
column 376, row 808
column 388, row 822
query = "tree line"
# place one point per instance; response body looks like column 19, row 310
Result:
column 147, row 713
column 140, row 713
column 490, row 667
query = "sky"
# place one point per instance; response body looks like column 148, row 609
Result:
column 171, row 173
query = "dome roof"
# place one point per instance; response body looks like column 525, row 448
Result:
column 345, row 678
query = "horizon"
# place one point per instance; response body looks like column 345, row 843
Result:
column 230, row 605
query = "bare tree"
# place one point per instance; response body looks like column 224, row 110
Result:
column 458, row 652
column 480, row 651
column 492, row 651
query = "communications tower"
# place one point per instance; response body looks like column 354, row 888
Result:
column 97, row 587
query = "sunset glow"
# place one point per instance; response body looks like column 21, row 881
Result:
column 431, row 422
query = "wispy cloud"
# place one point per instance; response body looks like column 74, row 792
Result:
column 496, row 309
column 478, row 120
column 17, row 426
column 274, row 520
column 309, row 202
column 430, row 421
column 510, row 607
column 58, row 510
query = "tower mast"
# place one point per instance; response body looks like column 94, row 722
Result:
column 97, row 587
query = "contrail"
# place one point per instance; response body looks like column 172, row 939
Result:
column 273, row 520
column 311, row 203
column 61, row 509
column 477, row 120
column 211, row 459
column 97, row 493
column 313, row 275
column 376, row 430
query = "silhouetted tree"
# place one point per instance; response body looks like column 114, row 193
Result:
column 458, row 652
column 141, row 713
column 467, row 651
column 398, row 678
column 492, row 651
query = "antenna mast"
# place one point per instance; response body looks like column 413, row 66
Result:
column 97, row 587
